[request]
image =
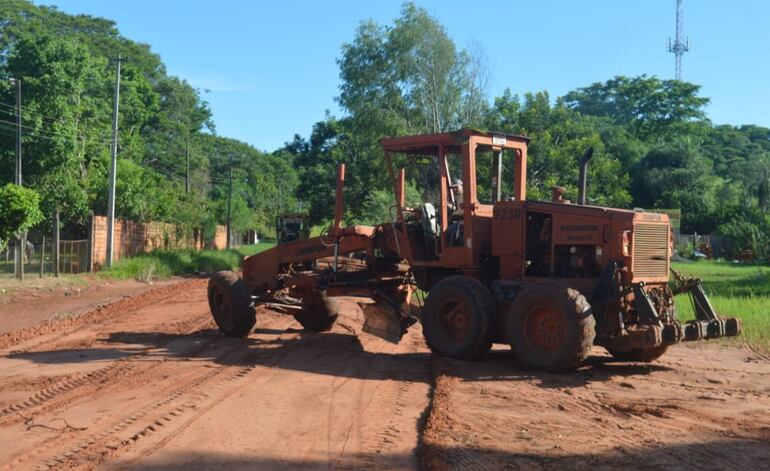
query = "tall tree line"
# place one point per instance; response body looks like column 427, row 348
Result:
column 67, row 67
column 654, row 146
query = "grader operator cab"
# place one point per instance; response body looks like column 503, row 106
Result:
column 551, row 279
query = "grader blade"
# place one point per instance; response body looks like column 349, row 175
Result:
column 384, row 321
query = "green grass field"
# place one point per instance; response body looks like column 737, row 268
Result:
column 735, row 290
column 161, row 264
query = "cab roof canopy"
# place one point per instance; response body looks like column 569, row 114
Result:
column 427, row 144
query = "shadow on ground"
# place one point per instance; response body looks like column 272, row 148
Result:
column 329, row 353
column 720, row 454
column 713, row 455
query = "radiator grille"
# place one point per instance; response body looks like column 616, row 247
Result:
column 650, row 243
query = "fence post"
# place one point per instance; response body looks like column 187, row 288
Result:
column 55, row 242
column 90, row 245
column 42, row 257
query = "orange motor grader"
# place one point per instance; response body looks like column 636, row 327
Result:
column 550, row 278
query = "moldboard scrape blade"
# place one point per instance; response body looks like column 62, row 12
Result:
column 383, row 321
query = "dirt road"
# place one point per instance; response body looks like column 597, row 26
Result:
column 701, row 407
column 148, row 383
column 26, row 307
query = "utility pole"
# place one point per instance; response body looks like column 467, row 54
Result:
column 17, row 82
column 187, row 163
column 21, row 241
column 55, row 237
column 113, row 170
column 681, row 44
column 229, row 202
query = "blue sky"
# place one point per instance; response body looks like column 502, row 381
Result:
column 271, row 73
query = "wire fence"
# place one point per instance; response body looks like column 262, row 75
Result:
column 39, row 258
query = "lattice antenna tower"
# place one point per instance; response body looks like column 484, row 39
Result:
column 680, row 44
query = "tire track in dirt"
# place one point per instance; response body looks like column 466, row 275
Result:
column 402, row 390
column 121, row 308
column 68, row 389
column 649, row 432
column 197, row 395
column 332, row 398
column 143, row 379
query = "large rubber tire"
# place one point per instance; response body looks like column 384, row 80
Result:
column 458, row 318
column 230, row 304
column 320, row 312
column 644, row 355
column 551, row 327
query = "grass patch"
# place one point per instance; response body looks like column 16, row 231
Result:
column 735, row 290
column 10, row 286
column 161, row 264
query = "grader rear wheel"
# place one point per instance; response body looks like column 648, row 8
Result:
column 320, row 312
column 551, row 327
column 230, row 304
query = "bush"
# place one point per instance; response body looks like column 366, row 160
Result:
column 749, row 235
column 19, row 211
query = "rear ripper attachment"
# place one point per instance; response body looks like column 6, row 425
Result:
column 645, row 323
column 707, row 324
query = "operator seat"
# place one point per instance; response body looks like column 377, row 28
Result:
column 429, row 219
column 430, row 229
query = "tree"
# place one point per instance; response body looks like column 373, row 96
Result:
column 678, row 176
column 405, row 78
column 559, row 136
column 653, row 109
column 66, row 64
column 410, row 76
column 19, row 211
column 316, row 160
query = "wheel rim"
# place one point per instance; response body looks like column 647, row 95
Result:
column 223, row 310
column 544, row 329
column 455, row 320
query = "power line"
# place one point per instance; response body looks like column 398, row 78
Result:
column 169, row 168
column 32, row 112
column 47, row 137
column 166, row 173
column 51, row 121
column 51, row 124
column 53, row 135
column 32, row 116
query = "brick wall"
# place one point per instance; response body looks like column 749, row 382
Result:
column 131, row 238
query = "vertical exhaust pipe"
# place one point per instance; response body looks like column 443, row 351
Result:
column 584, row 175
column 339, row 200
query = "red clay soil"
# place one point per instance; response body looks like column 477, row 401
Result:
column 698, row 407
column 147, row 382
column 27, row 307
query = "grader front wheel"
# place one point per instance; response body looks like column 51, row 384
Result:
column 319, row 312
column 230, row 304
